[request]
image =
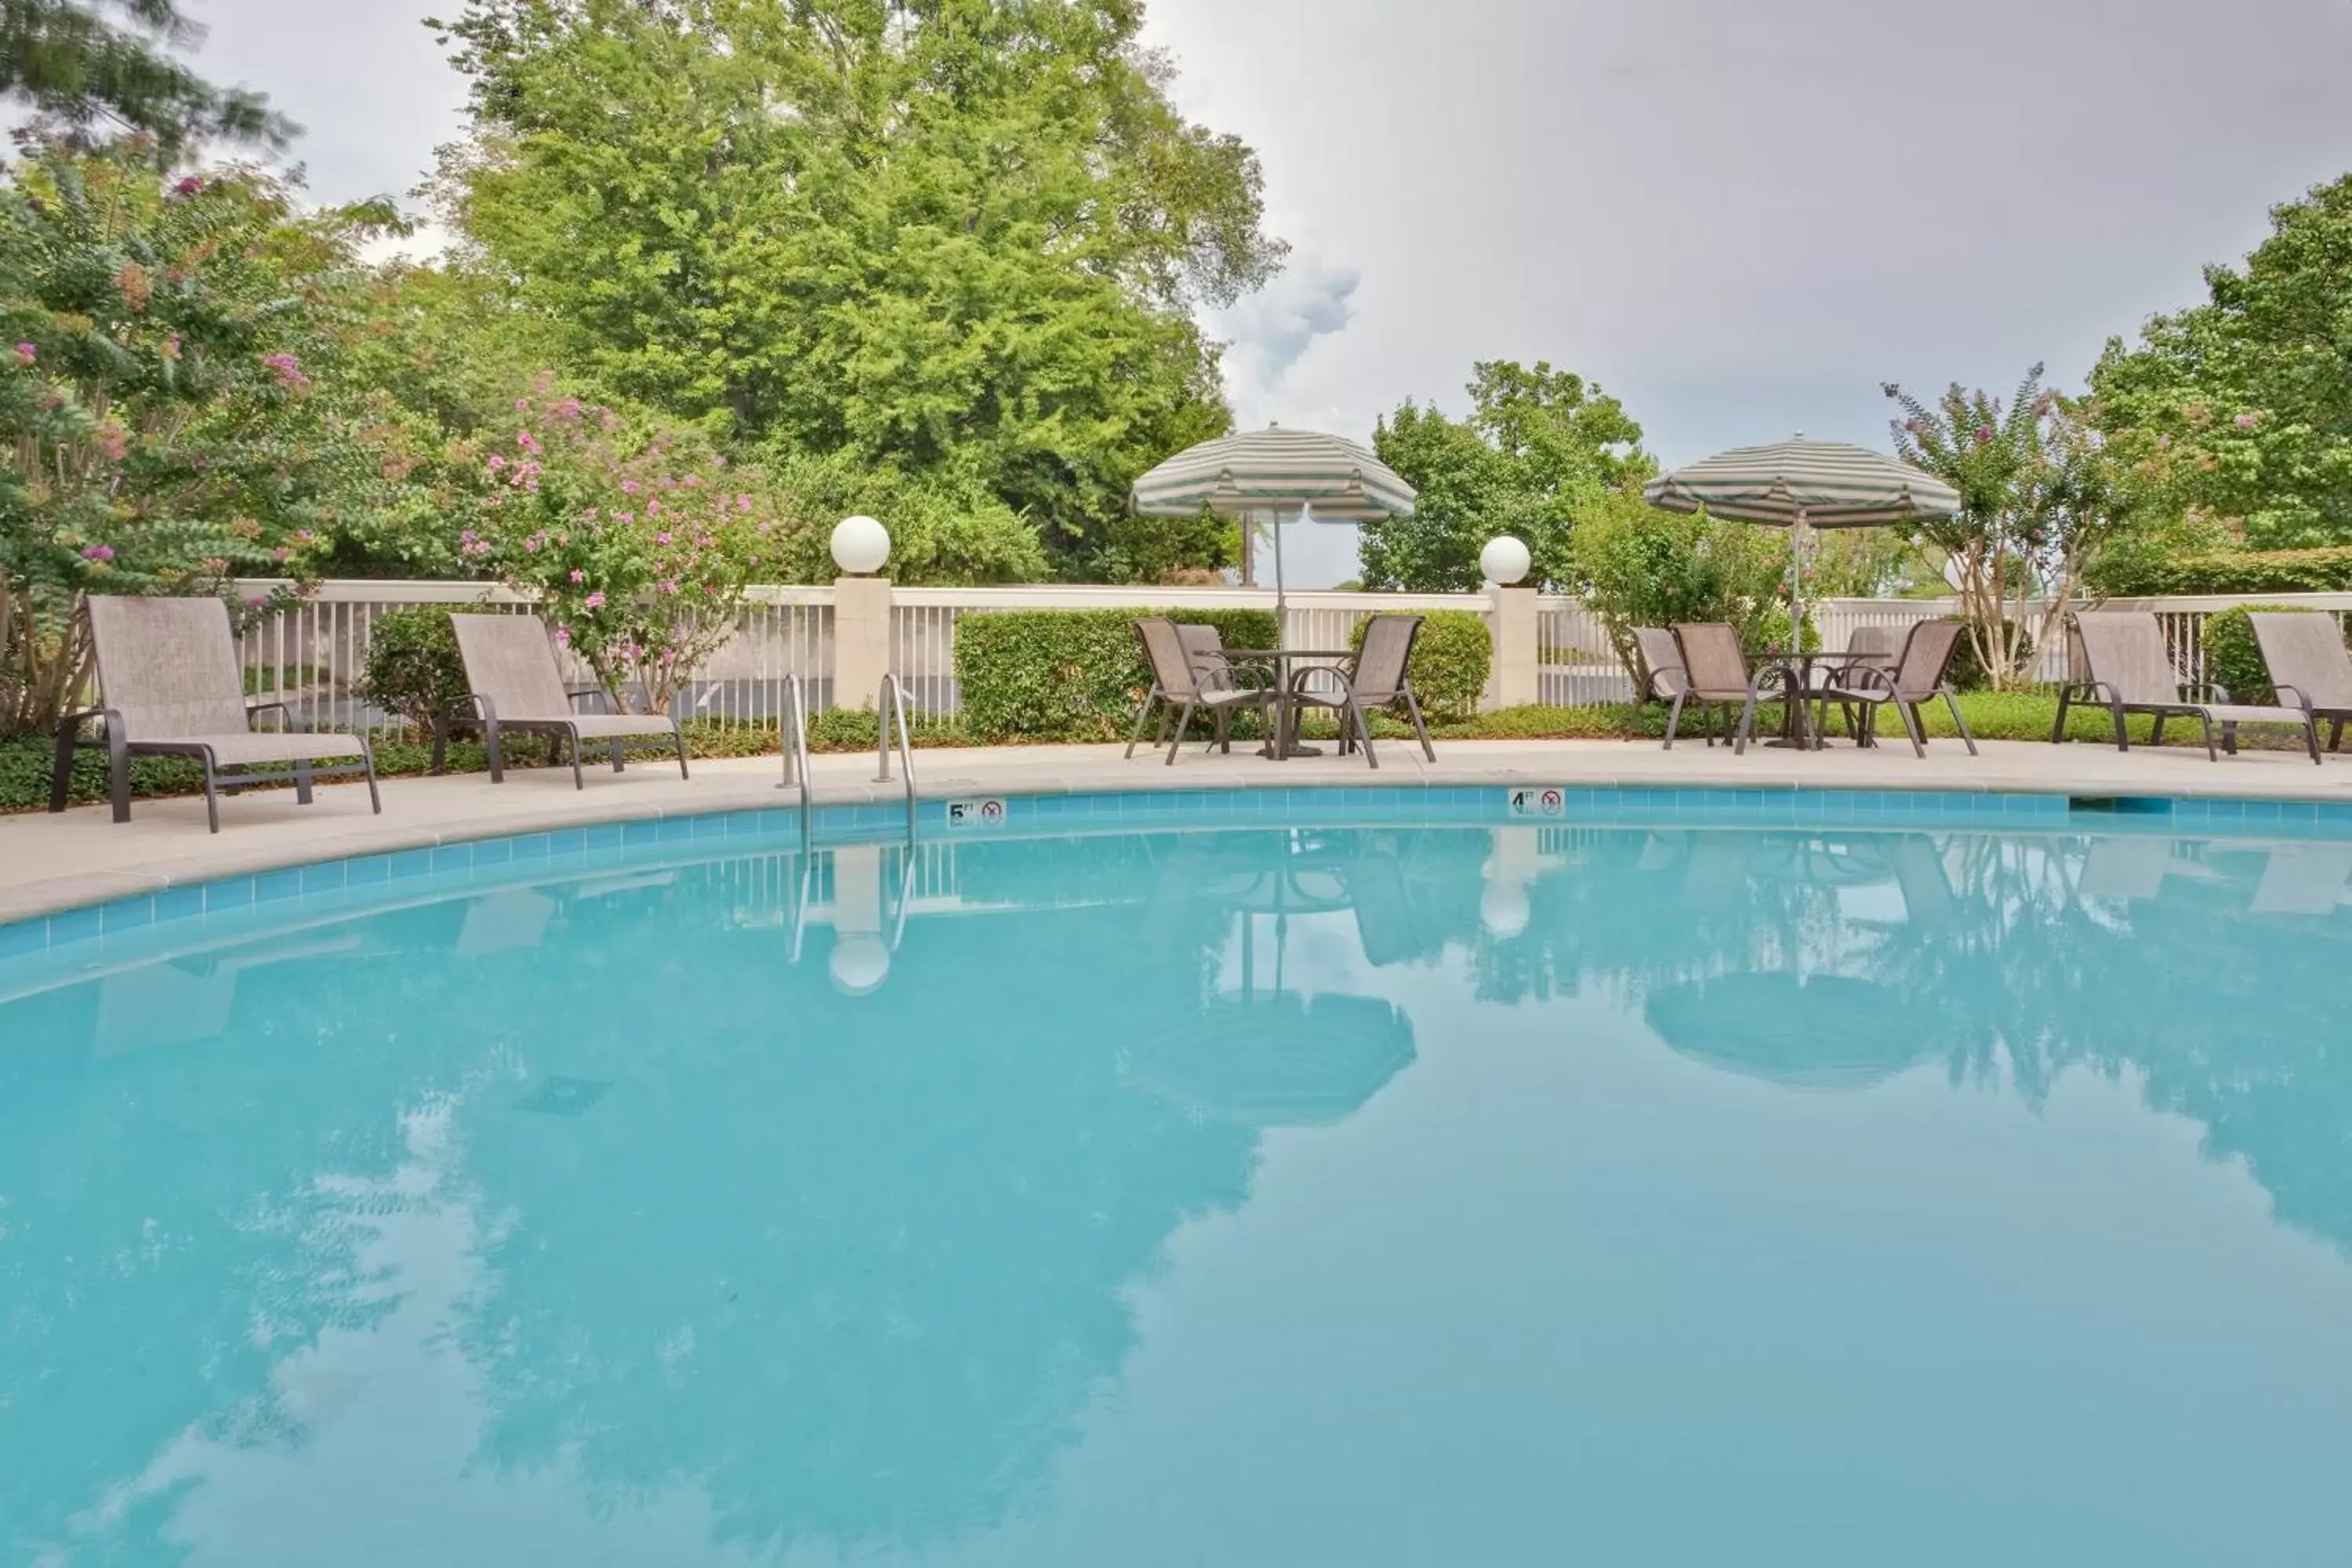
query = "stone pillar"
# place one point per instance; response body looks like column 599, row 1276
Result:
column 861, row 639
column 1512, row 682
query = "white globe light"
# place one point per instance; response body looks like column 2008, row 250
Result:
column 860, row 545
column 1505, row 560
column 1503, row 909
column 859, row 964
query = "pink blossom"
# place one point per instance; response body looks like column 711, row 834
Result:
column 566, row 411
column 653, row 508
column 287, row 369
column 531, row 545
column 498, row 461
column 98, row 552
column 624, row 517
column 527, row 442
column 661, row 538
column 1984, row 435
column 188, row 186
column 669, row 586
column 595, row 600
column 113, row 441
column 563, row 635
column 588, row 516
column 2248, row 421
column 630, row 487
column 26, row 354
column 2163, row 443
column 522, row 406
column 280, row 554
column 578, row 575
column 693, row 482
column 743, row 504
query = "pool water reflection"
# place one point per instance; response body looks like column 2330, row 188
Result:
column 1357, row 1196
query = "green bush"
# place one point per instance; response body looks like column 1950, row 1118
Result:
column 1070, row 675
column 2233, row 658
column 413, row 667
column 1450, row 662
column 2327, row 571
column 1968, row 671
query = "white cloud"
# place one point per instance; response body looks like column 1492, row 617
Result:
column 1268, row 332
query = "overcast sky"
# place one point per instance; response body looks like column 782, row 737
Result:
column 1739, row 217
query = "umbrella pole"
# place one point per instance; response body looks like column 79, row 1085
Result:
column 1797, row 585
column 1281, row 604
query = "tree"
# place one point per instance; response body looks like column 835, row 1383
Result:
column 158, row 428
column 1541, row 448
column 1640, row 566
column 2041, row 492
column 957, row 238
column 2250, row 392
column 80, row 71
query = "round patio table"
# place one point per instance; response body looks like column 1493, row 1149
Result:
column 1796, row 672
column 1283, row 742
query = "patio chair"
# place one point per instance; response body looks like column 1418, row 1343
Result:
column 1716, row 669
column 1185, row 685
column 2130, row 672
column 1666, row 680
column 1375, row 678
column 168, row 676
column 1917, row 677
column 512, row 683
column 2304, row 653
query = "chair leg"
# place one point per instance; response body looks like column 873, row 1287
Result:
column 2311, row 737
column 212, row 796
column 612, row 749
column 367, row 763
column 1363, row 732
column 62, row 769
column 1183, row 723
column 1413, row 708
column 1960, row 720
column 2156, row 731
column 2335, row 735
column 577, row 782
column 1674, row 719
column 2058, row 729
column 302, row 780
column 2123, row 734
column 1142, row 715
column 678, row 733
column 1909, row 713
column 440, row 744
column 490, row 744
column 117, row 770
column 2207, row 720
column 1747, row 726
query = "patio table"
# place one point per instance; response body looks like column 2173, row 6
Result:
column 1283, row 742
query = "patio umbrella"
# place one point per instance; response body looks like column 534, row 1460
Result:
column 1276, row 472
column 1822, row 1031
column 1799, row 485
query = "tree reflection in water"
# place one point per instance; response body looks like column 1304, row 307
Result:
column 849, row 1247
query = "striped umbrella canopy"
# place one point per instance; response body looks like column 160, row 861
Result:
column 1276, row 474
column 1801, row 484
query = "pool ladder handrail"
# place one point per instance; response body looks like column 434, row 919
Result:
column 794, row 722
column 890, row 702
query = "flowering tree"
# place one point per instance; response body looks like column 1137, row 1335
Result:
column 2040, row 493
column 638, row 560
column 158, row 338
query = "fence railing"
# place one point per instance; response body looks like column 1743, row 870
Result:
column 313, row 656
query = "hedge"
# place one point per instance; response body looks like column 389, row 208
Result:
column 2327, row 571
column 2233, row 660
column 413, row 668
column 1450, row 662
column 1070, row 675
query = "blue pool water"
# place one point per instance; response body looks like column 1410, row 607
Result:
column 1372, row 1195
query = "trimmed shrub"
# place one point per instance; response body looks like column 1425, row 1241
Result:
column 1070, row 675
column 2233, row 658
column 1451, row 660
column 413, row 667
column 2327, row 571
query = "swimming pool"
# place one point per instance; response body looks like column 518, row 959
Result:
column 1632, row 1189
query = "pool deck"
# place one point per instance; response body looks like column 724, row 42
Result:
column 49, row 863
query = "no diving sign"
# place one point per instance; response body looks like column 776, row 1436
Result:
column 1549, row 801
column 984, row 811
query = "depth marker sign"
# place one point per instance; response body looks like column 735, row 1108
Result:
column 987, row 811
column 1547, row 802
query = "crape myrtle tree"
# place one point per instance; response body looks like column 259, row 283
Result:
column 959, row 239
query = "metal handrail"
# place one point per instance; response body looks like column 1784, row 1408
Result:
column 793, row 722
column 891, row 701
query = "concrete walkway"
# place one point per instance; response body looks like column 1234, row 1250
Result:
column 81, row 858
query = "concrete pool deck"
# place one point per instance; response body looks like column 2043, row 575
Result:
column 55, row 862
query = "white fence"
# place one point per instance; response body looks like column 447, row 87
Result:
column 313, row 656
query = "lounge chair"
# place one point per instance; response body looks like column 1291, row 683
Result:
column 1185, row 685
column 1917, row 677
column 1716, row 669
column 2303, row 650
column 1375, row 678
column 170, row 684
column 512, row 683
column 2130, row 672
column 1663, row 680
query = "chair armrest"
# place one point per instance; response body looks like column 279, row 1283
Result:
column 1299, row 681
column 2289, row 697
column 252, row 709
column 1650, row 687
column 576, row 692
column 61, row 772
column 2206, row 691
column 1868, row 680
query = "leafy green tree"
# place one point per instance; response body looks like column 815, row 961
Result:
column 1541, row 448
column 2250, row 392
column 158, row 429
column 1640, row 566
column 2042, row 493
column 85, row 73
column 955, row 238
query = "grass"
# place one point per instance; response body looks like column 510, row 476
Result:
column 25, row 761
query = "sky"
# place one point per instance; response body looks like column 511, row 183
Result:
column 1741, row 219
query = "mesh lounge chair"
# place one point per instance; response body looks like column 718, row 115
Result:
column 1917, row 677
column 513, row 684
column 2131, row 673
column 172, row 686
column 1666, row 680
column 2304, row 653
column 1374, row 679
column 1186, row 684
column 1718, row 674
